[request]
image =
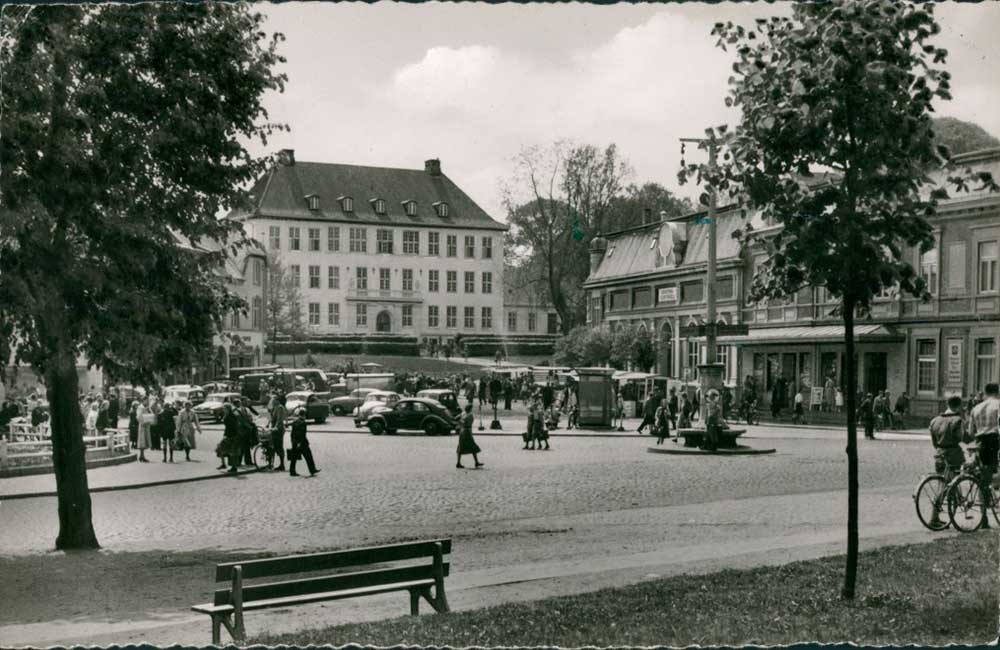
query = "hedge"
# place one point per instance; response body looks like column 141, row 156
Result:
column 489, row 348
column 399, row 346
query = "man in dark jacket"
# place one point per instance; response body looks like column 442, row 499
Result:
column 300, row 446
column 649, row 410
column 947, row 431
column 672, row 409
column 114, row 409
column 278, row 415
column 866, row 412
column 231, row 437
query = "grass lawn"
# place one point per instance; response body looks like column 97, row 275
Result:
column 388, row 363
column 940, row 592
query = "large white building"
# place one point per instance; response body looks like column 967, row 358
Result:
column 382, row 250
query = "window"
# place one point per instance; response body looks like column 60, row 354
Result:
column 470, row 246
column 384, row 280
column 257, row 314
column 333, row 314
column 642, row 297
column 693, row 357
column 487, row 248
column 407, row 279
column 235, row 320
column 383, row 241
column 314, row 313
column 722, row 357
column 692, row 291
column 452, row 282
column 313, row 202
column 927, row 365
column 407, row 315
column 986, row 354
column 725, row 287
column 487, row 282
column 313, row 277
column 470, row 282
column 361, row 277
column 333, row 239
column 410, row 207
column 441, row 209
column 333, row 277
column 929, row 269
column 258, row 272
column 532, row 321
column 359, row 240
column 411, row 242
column 469, row 320
column 987, row 266
column 512, row 321
column 378, row 205
column 361, row 315
column 314, row 239
column 451, row 316
column 452, row 242
column 956, row 265
column 294, row 241
column 432, row 280
column 274, row 236
column 346, row 204
column 487, row 318
column 432, row 316
column 296, row 272
column 434, row 244
column 619, row 300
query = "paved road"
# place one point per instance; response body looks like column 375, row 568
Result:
column 591, row 512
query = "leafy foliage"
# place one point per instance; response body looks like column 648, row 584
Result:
column 283, row 301
column 583, row 347
column 634, row 345
column 962, row 137
column 626, row 209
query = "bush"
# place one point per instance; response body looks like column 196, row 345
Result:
column 403, row 346
column 488, row 348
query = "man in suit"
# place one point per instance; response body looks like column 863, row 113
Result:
column 300, row 446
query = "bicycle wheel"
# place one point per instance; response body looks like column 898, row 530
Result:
column 260, row 456
column 966, row 507
column 929, row 501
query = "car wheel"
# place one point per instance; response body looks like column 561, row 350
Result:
column 338, row 410
column 431, row 428
column 377, row 427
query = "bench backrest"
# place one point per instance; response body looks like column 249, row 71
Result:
column 436, row 551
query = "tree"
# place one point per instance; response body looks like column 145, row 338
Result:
column 282, row 303
column 962, row 137
column 627, row 209
column 558, row 198
column 643, row 350
column 583, row 346
column 123, row 135
column 846, row 88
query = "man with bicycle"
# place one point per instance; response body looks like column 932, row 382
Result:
column 947, row 431
column 983, row 427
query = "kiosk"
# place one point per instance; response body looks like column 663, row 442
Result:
column 596, row 397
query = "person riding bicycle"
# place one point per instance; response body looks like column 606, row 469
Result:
column 947, row 431
column 983, row 428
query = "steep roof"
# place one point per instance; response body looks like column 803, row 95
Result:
column 282, row 193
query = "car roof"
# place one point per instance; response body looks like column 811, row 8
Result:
column 437, row 390
column 422, row 400
column 226, row 393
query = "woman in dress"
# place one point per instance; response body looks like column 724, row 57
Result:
column 187, row 424
column 541, row 431
column 168, row 430
column 143, row 416
column 91, row 423
column 466, row 443
column 133, row 425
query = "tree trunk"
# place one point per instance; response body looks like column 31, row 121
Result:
column 76, row 529
column 850, row 399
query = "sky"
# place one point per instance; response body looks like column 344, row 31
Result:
column 392, row 85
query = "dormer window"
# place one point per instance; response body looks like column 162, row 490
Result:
column 410, row 207
column 441, row 208
column 346, row 203
column 378, row 205
column 313, row 200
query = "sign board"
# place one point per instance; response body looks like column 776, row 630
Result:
column 720, row 330
column 953, row 364
column 816, row 396
column 667, row 294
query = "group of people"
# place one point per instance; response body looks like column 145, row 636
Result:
column 876, row 412
column 240, row 434
column 157, row 424
column 663, row 414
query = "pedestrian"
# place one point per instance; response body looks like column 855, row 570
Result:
column 278, row 416
column 103, row 421
column 620, row 411
column 508, row 393
column 154, row 429
column 713, row 420
column 902, row 408
column 866, row 413
column 300, row 446
column 247, row 431
column 649, row 412
column 529, row 434
column 145, row 418
column 91, row 422
column 661, row 423
column 838, row 400
column 133, row 425
column 799, row 408
column 168, row 430
column 541, row 433
column 947, row 431
column 229, row 447
column 829, row 396
column 672, row 408
column 684, row 421
column 187, row 425
column 696, row 405
column 114, row 409
column 466, row 443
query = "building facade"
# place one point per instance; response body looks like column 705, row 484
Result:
column 526, row 305
column 380, row 250
column 928, row 350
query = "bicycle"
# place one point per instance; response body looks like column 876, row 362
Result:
column 929, row 498
column 263, row 451
column 749, row 412
column 969, row 497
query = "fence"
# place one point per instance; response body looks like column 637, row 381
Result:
column 30, row 444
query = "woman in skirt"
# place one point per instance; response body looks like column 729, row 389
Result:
column 466, row 443
column 187, row 424
column 541, row 431
column 133, row 425
column 529, row 436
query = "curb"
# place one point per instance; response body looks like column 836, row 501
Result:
column 741, row 450
column 130, row 486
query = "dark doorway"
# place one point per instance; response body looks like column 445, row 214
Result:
column 383, row 322
column 876, row 366
column 666, row 350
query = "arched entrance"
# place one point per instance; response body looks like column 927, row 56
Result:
column 383, row 322
column 666, row 350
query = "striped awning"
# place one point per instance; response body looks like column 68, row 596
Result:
column 818, row 334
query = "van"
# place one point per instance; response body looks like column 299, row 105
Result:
column 184, row 393
column 316, row 379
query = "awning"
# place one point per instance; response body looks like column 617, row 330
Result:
column 631, row 376
column 868, row 333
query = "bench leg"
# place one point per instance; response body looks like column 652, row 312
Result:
column 234, row 632
column 414, row 602
column 439, row 602
column 216, row 630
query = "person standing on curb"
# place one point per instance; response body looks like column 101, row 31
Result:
column 300, row 446
column 187, row 424
column 466, row 443
column 144, row 419
column 278, row 416
column 230, row 445
column 133, row 425
column 866, row 412
column 168, row 430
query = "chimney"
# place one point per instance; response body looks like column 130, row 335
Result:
column 647, row 216
column 433, row 166
column 286, row 157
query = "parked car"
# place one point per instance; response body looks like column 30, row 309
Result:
column 184, row 393
column 219, row 386
column 317, row 409
column 347, row 403
column 374, row 401
column 213, row 407
column 444, row 396
column 415, row 414
column 312, row 379
column 339, row 390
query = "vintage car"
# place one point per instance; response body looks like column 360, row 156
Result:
column 213, row 407
column 414, row 414
column 374, row 401
column 444, row 395
column 184, row 393
column 347, row 403
column 316, row 407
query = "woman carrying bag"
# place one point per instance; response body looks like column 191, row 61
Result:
column 466, row 443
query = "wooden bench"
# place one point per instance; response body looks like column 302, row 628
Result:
column 695, row 437
column 342, row 574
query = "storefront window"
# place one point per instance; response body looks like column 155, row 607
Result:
column 985, row 362
column 927, row 365
column 693, row 357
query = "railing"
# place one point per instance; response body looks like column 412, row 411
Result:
column 35, row 444
column 397, row 295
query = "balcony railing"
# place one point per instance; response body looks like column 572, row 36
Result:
column 384, row 295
